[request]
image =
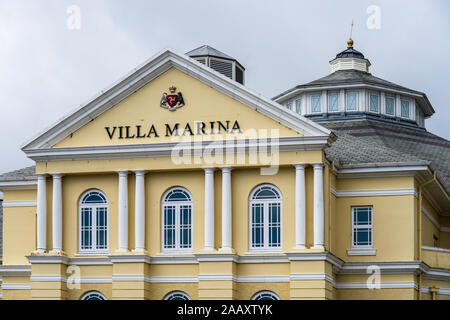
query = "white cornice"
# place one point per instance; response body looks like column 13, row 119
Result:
column 12, row 204
column 16, row 286
column 18, row 185
column 166, row 149
column 373, row 193
column 150, row 70
column 15, row 271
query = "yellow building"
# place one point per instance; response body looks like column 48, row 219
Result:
column 179, row 182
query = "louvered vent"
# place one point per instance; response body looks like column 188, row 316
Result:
column 224, row 67
column 201, row 60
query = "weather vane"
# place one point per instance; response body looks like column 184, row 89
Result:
column 351, row 29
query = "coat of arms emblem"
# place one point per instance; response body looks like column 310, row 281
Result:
column 172, row 101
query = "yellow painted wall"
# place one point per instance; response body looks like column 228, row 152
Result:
column 203, row 103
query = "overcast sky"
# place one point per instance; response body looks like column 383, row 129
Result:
column 48, row 69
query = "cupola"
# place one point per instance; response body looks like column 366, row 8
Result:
column 350, row 59
column 219, row 61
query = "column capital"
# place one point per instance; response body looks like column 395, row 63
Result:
column 56, row 175
column 300, row 166
column 209, row 169
column 42, row 176
column 122, row 172
column 318, row 165
column 226, row 169
column 140, row 172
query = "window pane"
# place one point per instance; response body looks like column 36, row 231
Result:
column 177, row 195
column 185, row 226
column 169, row 226
column 390, row 106
column 352, row 98
column 315, row 104
column 298, row 106
column 257, row 225
column 373, row 103
column 363, row 237
column 101, row 233
column 86, row 228
column 289, row 105
column 274, row 225
column 405, row 109
column 333, row 102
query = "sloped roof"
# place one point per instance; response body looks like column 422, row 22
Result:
column 350, row 53
column 27, row 173
column 208, row 51
column 371, row 141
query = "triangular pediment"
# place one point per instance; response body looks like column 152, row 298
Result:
column 129, row 112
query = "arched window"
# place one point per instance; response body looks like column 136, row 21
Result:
column 265, row 295
column 177, row 295
column 93, row 295
column 93, row 222
column 177, row 220
column 265, row 218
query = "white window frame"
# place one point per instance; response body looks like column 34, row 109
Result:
column 385, row 105
column 289, row 105
column 266, row 247
column 87, row 294
column 362, row 250
column 365, row 226
column 177, row 204
column 311, row 102
column 266, row 292
column 379, row 102
column 328, row 102
column 173, row 293
column 409, row 108
column 356, row 99
column 94, row 208
column 295, row 103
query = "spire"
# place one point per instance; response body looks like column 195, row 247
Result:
column 350, row 41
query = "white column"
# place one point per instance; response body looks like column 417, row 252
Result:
column 209, row 209
column 383, row 102
column 318, row 206
column 41, row 214
column 226, row 210
column 139, row 218
column 300, row 206
column 123, row 211
column 57, row 214
column 342, row 100
column 324, row 101
column 398, row 103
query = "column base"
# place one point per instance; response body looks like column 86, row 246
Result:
column 209, row 249
column 299, row 246
column 227, row 250
column 57, row 252
column 318, row 246
column 40, row 251
column 139, row 250
column 122, row 250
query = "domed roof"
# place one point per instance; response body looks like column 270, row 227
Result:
column 350, row 53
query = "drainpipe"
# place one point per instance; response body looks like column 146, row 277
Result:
column 433, row 290
column 419, row 231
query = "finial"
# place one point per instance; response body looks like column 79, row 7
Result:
column 350, row 41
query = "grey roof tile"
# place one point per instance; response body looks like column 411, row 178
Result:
column 21, row 174
column 370, row 141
